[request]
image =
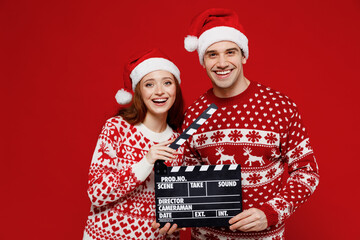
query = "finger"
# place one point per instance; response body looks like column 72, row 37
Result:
column 165, row 229
column 165, row 143
column 243, row 222
column 180, row 229
column 162, row 150
column 155, row 225
column 248, row 227
column 166, row 149
column 163, row 157
column 161, row 153
column 240, row 216
column 165, row 154
column 172, row 229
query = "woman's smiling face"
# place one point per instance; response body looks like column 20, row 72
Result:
column 158, row 91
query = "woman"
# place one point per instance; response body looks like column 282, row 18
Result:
column 121, row 179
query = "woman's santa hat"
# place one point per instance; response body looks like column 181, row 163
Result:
column 215, row 25
column 138, row 66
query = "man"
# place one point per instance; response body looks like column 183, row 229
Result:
column 255, row 126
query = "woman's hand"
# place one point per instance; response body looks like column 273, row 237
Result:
column 161, row 151
column 167, row 229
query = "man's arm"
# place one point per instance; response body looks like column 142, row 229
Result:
column 302, row 168
column 302, row 182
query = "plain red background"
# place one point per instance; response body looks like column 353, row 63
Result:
column 62, row 62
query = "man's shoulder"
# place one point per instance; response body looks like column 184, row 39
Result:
column 271, row 95
column 197, row 107
column 200, row 101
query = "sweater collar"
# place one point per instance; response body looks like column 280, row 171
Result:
column 232, row 100
column 154, row 136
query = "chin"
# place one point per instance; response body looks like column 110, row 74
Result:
column 223, row 83
column 160, row 111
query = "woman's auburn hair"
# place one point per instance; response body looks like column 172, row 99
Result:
column 136, row 112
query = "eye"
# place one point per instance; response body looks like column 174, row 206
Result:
column 231, row 52
column 211, row 55
column 149, row 84
column 168, row 83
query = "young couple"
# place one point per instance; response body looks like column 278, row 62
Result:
column 255, row 126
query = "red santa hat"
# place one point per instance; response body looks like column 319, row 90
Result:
column 138, row 66
column 215, row 25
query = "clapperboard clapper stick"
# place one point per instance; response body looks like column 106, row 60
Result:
column 197, row 196
column 160, row 167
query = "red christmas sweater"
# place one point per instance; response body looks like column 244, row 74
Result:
column 121, row 183
column 260, row 129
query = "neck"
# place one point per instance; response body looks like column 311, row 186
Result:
column 240, row 86
column 156, row 123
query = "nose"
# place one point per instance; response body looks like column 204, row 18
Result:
column 222, row 63
column 159, row 89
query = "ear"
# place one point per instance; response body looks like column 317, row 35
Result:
column 243, row 60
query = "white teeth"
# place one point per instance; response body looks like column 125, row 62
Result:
column 159, row 100
column 223, row 72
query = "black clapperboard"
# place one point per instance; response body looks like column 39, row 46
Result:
column 197, row 196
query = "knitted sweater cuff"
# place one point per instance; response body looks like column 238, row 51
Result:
column 142, row 169
column 271, row 215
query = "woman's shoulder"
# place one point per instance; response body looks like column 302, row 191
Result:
column 118, row 123
column 116, row 127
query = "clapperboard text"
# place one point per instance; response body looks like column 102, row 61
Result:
column 207, row 195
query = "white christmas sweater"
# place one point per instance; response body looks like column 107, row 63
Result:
column 121, row 183
column 261, row 130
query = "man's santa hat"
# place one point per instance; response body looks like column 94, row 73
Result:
column 215, row 25
column 138, row 66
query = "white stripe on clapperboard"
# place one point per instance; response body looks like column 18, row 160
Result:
column 201, row 121
column 203, row 168
column 211, row 111
column 180, row 141
column 191, row 131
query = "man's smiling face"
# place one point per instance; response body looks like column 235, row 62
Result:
column 223, row 62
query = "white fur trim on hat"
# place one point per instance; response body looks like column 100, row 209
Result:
column 218, row 34
column 123, row 97
column 191, row 43
column 150, row 65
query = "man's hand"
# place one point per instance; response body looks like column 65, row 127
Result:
column 251, row 220
column 167, row 229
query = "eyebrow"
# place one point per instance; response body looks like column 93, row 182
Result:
column 153, row 79
column 229, row 49
column 149, row 79
column 232, row 49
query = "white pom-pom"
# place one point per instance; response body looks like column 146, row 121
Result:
column 191, row 43
column 123, row 97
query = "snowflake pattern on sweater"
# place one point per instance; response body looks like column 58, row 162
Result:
column 261, row 130
column 121, row 183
